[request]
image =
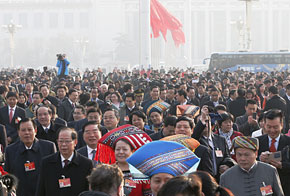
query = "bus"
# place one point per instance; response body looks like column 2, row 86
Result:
column 250, row 61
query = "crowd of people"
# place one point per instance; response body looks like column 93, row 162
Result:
column 154, row 132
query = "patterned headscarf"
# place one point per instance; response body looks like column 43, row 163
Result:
column 162, row 157
column 156, row 106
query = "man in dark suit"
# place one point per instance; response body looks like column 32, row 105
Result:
column 47, row 129
column 65, row 172
column 248, row 123
column 94, row 97
column 237, row 106
column 10, row 115
column 48, row 99
column 21, row 86
column 91, row 136
column 287, row 114
column 214, row 98
column 181, row 100
column 274, row 141
column 128, row 108
column 66, row 107
column 185, row 126
column 3, row 138
column 275, row 101
column 23, row 157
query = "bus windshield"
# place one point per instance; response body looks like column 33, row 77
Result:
column 250, row 61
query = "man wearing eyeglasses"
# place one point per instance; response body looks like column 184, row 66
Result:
column 64, row 173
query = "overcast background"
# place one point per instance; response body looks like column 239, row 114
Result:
column 105, row 33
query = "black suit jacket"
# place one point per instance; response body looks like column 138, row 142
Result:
column 276, row 102
column 51, row 171
column 16, row 156
column 287, row 114
column 3, row 137
column 53, row 100
column 11, row 128
column 237, row 107
column 219, row 143
column 64, row 110
column 204, row 153
column 83, row 151
column 284, row 173
column 51, row 134
column 20, row 88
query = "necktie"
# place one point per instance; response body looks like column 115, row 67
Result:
column 66, row 162
column 10, row 115
column 30, row 98
column 272, row 147
column 46, row 130
column 94, row 154
column 73, row 105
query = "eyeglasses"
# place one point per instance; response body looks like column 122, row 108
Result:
column 64, row 141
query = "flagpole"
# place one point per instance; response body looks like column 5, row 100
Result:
column 144, row 34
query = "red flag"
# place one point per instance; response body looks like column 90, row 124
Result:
column 162, row 20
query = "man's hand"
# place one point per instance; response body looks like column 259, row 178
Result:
column 252, row 121
column 9, row 140
column 277, row 164
column 204, row 114
column 223, row 168
column 264, row 157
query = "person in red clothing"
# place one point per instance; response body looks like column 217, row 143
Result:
column 225, row 129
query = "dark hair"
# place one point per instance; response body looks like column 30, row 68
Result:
column 43, row 85
column 23, row 94
column 273, row 90
column 24, row 120
column 182, row 185
column 3, row 89
column 123, row 140
column 92, row 104
column 12, row 94
column 241, row 92
column 80, row 107
column 130, row 95
column 44, row 106
column 232, row 92
column 127, row 87
column 116, row 112
column 185, row 118
column 170, row 121
column 106, row 178
column 287, row 87
column 154, row 86
column 37, row 93
column 138, row 113
column 90, row 123
column 250, row 91
column 182, row 93
column 220, row 107
column 261, row 117
column 62, row 86
column 251, row 101
column 209, row 185
column 272, row 114
column 94, row 110
column 74, row 134
column 225, row 116
column 118, row 95
column 72, row 91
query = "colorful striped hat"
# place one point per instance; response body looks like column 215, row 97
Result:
column 162, row 157
column 191, row 110
column 246, row 142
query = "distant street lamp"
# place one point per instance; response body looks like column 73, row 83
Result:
column 11, row 28
column 83, row 44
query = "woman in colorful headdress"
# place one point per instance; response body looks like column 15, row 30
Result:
column 160, row 161
column 154, row 111
column 118, row 145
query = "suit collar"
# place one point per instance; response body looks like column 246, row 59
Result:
column 35, row 146
column 75, row 159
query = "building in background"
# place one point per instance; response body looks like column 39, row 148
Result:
column 106, row 32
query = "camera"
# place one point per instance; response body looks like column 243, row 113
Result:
column 60, row 57
column 8, row 184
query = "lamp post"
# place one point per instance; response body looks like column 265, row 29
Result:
column 11, row 28
column 83, row 43
column 248, row 23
